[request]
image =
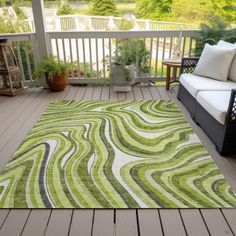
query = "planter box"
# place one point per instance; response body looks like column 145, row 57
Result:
column 122, row 76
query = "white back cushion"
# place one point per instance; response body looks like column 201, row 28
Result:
column 215, row 62
column 232, row 70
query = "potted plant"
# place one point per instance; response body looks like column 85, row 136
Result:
column 131, row 59
column 55, row 71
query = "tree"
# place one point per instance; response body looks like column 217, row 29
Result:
column 103, row 8
column 226, row 9
column 212, row 31
column 186, row 10
column 194, row 11
column 153, row 9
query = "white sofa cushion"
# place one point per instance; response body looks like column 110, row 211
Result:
column 215, row 103
column 194, row 83
column 215, row 62
column 232, row 70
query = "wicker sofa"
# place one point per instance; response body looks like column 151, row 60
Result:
column 212, row 105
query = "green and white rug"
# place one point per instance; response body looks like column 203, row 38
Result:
column 113, row 154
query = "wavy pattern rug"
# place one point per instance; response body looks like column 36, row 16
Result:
column 113, row 154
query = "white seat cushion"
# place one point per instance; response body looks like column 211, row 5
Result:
column 215, row 62
column 232, row 70
column 216, row 103
column 194, row 83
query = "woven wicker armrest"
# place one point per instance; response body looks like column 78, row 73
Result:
column 231, row 114
column 188, row 64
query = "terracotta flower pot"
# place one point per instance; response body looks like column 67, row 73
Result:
column 58, row 83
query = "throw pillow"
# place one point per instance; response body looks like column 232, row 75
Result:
column 232, row 70
column 215, row 62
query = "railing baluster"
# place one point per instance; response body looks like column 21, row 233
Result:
column 157, row 56
column 190, row 47
column 116, row 47
column 71, row 52
column 57, row 48
column 144, row 60
column 20, row 60
column 77, row 56
column 137, row 57
column 97, row 63
column 183, row 49
column 28, row 61
column 150, row 59
column 64, row 49
column 163, row 54
column 84, row 59
column 34, row 50
column 104, row 58
column 90, row 59
column 110, row 51
column 171, row 44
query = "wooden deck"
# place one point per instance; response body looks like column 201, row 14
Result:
column 18, row 115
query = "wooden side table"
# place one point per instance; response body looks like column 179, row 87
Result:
column 171, row 63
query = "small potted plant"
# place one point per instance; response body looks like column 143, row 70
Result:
column 130, row 61
column 55, row 71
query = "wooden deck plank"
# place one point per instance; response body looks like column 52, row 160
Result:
column 146, row 93
column 81, row 223
column 15, row 222
column 3, row 215
column 80, row 93
column 59, row 223
column 113, row 94
column 89, row 93
column 105, row 93
column 215, row 222
column 103, row 218
column 17, row 112
column 97, row 93
column 230, row 216
column 130, row 95
column 137, row 93
column 126, row 223
column 193, row 222
column 163, row 93
column 23, row 128
column 171, row 222
column 155, row 93
column 37, row 222
column 6, row 110
column 71, row 93
column 149, row 222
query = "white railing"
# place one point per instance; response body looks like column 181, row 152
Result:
column 86, row 22
column 26, row 51
column 92, row 52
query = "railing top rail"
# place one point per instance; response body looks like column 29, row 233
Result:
column 121, row 34
column 18, row 36
column 120, row 18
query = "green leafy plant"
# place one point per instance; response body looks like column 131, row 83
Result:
column 103, row 8
column 20, row 14
column 65, row 9
column 133, row 52
column 51, row 66
column 212, row 32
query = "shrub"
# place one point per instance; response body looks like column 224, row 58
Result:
column 212, row 32
column 65, row 10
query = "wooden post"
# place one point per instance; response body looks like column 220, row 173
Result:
column 40, row 29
